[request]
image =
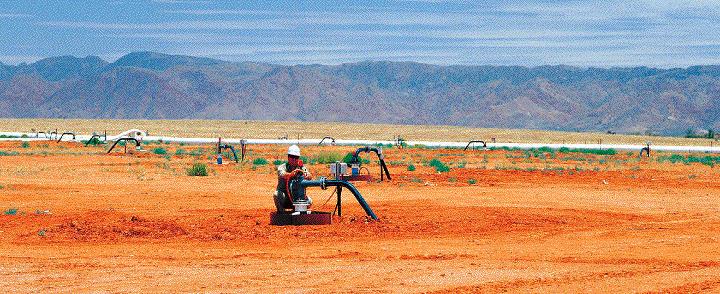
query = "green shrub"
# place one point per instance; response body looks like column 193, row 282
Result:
column 411, row 167
column 327, row 157
column 160, row 151
column 11, row 211
column 472, row 181
column 588, row 151
column 198, row 169
column 710, row 161
column 197, row 152
column 438, row 165
column 260, row 161
column 8, row 153
column 277, row 162
column 94, row 141
column 180, row 152
column 25, row 145
column 348, row 158
column 545, row 149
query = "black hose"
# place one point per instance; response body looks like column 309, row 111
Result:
column 137, row 143
column 356, row 159
column 322, row 182
column 222, row 147
column 63, row 135
column 323, row 140
column 384, row 168
column 475, row 141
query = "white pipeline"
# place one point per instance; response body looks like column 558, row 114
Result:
column 141, row 135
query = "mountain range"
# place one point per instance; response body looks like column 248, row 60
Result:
column 150, row 85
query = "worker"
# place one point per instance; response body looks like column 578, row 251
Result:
column 285, row 172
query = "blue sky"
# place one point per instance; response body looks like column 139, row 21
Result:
column 582, row 33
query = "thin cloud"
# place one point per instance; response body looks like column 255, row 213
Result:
column 181, row 1
column 15, row 15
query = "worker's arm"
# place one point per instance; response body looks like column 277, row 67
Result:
column 281, row 170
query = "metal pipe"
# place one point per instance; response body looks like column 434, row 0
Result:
column 137, row 143
column 339, row 201
column 66, row 133
column 368, row 149
column 645, row 149
column 223, row 147
column 475, row 141
column 331, row 142
column 324, row 183
column 243, row 146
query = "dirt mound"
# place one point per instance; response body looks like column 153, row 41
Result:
column 103, row 226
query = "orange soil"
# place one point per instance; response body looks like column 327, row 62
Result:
column 138, row 223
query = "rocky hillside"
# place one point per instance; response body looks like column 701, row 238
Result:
column 159, row 86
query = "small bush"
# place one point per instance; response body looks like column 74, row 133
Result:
column 25, row 145
column 710, row 161
column 160, row 151
column 198, row 169
column 348, row 158
column 8, row 153
column 260, row 161
column 277, row 162
column 327, row 157
column 180, row 152
column 411, row 167
column 472, row 181
column 24, row 136
column 197, row 152
column 11, row 211
column 439, row 165
column 588, row 151
column 545, row 149
column 94, row 141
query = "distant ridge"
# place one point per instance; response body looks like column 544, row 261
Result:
column 161, row 86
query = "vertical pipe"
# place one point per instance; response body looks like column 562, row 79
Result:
column 339, row 201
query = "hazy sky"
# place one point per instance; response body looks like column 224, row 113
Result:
column 583, row 33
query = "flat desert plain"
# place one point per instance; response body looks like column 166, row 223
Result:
column 76, row 219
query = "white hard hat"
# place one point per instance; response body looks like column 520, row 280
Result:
column 294, row 150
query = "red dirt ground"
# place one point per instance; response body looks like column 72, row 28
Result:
column 138, row 223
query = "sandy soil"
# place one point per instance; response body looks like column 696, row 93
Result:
column 87, row 221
